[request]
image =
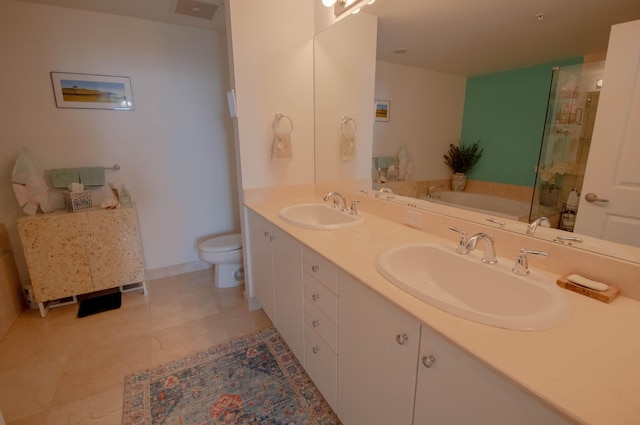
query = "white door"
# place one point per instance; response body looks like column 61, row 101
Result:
column 613, row 168
column 377, row 355
column 288, row 291
column 261, row 273
column 454, row 388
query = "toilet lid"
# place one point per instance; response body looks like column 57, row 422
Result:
column 222, row 243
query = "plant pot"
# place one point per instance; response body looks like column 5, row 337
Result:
column 458, row 181
column 549, row 197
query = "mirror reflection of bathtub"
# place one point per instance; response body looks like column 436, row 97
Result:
column 483, row 203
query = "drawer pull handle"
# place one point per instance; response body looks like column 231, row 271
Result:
column 315, row 268
column 316, row 323
column 428, row 361
column 315, row 297
column 401, row 338
column 316, row 349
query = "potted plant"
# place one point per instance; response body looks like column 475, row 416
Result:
column 461, row 159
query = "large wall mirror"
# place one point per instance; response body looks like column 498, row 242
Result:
column 440, row 96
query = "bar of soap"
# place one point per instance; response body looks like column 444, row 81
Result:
column 587, row 283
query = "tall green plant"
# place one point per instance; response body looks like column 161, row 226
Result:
column 461, row 159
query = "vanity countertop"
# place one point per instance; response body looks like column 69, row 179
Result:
column 588, row 368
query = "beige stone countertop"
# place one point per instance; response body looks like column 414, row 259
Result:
column 587, row 368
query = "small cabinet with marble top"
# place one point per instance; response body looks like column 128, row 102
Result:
column 74, row 253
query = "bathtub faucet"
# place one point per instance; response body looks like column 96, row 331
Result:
column 430, row 190
column 540, row 221
column 384, row 189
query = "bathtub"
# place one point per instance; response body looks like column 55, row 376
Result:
column 486, row 204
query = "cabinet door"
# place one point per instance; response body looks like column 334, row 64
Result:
column 453, row 388
column 288, row 291
column 114, row 250
column 54, row 249
column 260, row 235
column 376, row 363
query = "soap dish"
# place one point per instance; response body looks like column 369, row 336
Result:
column 604, row 296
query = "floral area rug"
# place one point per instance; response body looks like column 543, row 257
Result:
column 252, row 380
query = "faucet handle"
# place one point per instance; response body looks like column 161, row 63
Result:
column 521, row 267
column 462, row 244
column 354, row 208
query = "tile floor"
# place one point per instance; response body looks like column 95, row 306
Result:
column 64, row 370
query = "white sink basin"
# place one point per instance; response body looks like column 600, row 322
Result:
column 319, row 217
column 464, row 286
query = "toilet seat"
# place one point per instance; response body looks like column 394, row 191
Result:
column 221, row 243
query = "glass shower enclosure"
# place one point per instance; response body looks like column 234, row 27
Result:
column 571, row 111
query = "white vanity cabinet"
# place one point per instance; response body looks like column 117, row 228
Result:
column 377, row 360
column 320, row 280
column 454, row 388
column 374, row 363
column 260, row 238
column 276, row 261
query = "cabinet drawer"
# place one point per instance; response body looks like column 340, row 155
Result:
column 321, row 269
column 327, row 330
column 321, row 297
column 321, row 364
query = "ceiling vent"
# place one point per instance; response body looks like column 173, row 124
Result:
column 200, row 9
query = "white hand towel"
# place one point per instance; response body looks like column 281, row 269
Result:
column 281, row 149
column 348, row 147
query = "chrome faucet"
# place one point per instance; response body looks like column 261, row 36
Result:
column 354, row 207
column 430, row 190
column 521, row 267
column 540, row 221
column 384, row 189
column 462, row 244
column 337, row 197
column 489, row 256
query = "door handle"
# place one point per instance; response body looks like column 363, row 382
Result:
column 592, row 197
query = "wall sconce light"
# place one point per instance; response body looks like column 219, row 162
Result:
column 342, row 6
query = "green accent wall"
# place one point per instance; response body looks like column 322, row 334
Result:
column 506, row 111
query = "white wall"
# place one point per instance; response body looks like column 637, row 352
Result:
column 345, row 57
column 272, row 45
column 425, row 114
column 175, row 149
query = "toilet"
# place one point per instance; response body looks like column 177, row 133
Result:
column 225, row 253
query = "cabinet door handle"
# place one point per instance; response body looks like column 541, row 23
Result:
column 272, row 238
column 401, row 338
column 315, row 323
column 428, row 361
column 315, row 268
column 266, row 234
column 315, row 296
column 316, row 349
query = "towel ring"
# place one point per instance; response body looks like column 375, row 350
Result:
column 346, row 121
column 277, row 119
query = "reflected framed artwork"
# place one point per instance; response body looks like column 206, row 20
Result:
column 90, row 91
column 383, row 110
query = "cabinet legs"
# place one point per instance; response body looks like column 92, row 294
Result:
column 48, row 305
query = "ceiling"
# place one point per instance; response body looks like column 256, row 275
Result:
column 463, row 37
column 153, row 10
column 473, row 37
